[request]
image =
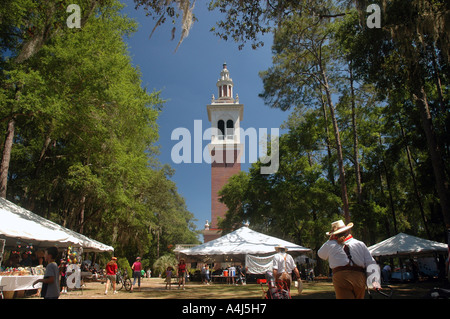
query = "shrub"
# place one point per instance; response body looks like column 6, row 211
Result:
column 124, row 265
column 161, row 264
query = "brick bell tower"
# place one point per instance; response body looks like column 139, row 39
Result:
column 225, row 114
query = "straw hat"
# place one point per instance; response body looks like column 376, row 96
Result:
column 114, row 258
column 338, row 227
column 277, row 248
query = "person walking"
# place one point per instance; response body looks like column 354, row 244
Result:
column 283, row 266
column 50, row 282
column 240, row 275
column 348, row 258
column 207, row 274
column 111, row 274
column 203, row 274
column 169, row 277
column 137, row 267
column 181, row 273
column 386, row 273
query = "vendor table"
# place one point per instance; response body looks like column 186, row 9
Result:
column 13, row 283
column 221, row 277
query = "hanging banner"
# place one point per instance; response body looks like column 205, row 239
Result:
column 258, row 265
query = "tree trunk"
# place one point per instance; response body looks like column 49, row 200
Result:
column 355, row 141
column 83, row 207
column 40, row 162
column 417, row 77
column 387, row 224
column 388, row 183
column 6, row 157
column 435, row 153
column 442, row 102
column 413, row 177
column 327, row 140
column 344, row 195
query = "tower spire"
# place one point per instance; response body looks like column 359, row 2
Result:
column 225, row 86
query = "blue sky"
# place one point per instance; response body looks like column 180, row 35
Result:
column 187, row 79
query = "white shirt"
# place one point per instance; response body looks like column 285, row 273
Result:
column 334, row 252
column 280, row 265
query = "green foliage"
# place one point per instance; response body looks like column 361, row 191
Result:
column 84, row 152
column 124, row 265
column 161, row 264
column 393, row 120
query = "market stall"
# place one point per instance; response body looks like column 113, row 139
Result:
column 406, row 245
column 21, row 278
column 26, row 235
column 243, row 246
column 21, row 225
column 424, row 257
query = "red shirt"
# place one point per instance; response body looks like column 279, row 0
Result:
column 181, row 268
column 111, row 268
column 137, row 266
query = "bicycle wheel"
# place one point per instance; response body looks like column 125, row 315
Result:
column 127, row 284
column 119, row 283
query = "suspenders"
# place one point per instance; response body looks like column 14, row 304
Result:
column 351, row 265
column 347, row 251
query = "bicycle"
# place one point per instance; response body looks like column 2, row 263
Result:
column 123, row 281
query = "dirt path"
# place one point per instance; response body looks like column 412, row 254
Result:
column 154, row 288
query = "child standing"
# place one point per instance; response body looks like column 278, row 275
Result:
column 169, row 277
column 62, row 272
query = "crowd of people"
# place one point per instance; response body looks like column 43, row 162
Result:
column 348, row 259
column 233, row 274
column 25, row 259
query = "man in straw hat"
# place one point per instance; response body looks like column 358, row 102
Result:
column 283, row 265
column 348, row 259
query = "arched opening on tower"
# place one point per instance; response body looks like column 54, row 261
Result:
column 230, row 130
column 221, row 128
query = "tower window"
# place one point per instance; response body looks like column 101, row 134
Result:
column 221, row 127
column 230, row 129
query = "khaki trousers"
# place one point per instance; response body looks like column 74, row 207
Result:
column 349, row 284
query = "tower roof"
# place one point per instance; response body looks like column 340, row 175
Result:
column 225, row 87
column 224, row 76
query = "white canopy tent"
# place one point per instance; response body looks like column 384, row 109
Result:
column 403, row 244
column 239, row 243
column 19, row 224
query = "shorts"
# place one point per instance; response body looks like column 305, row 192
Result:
column 111, row 278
